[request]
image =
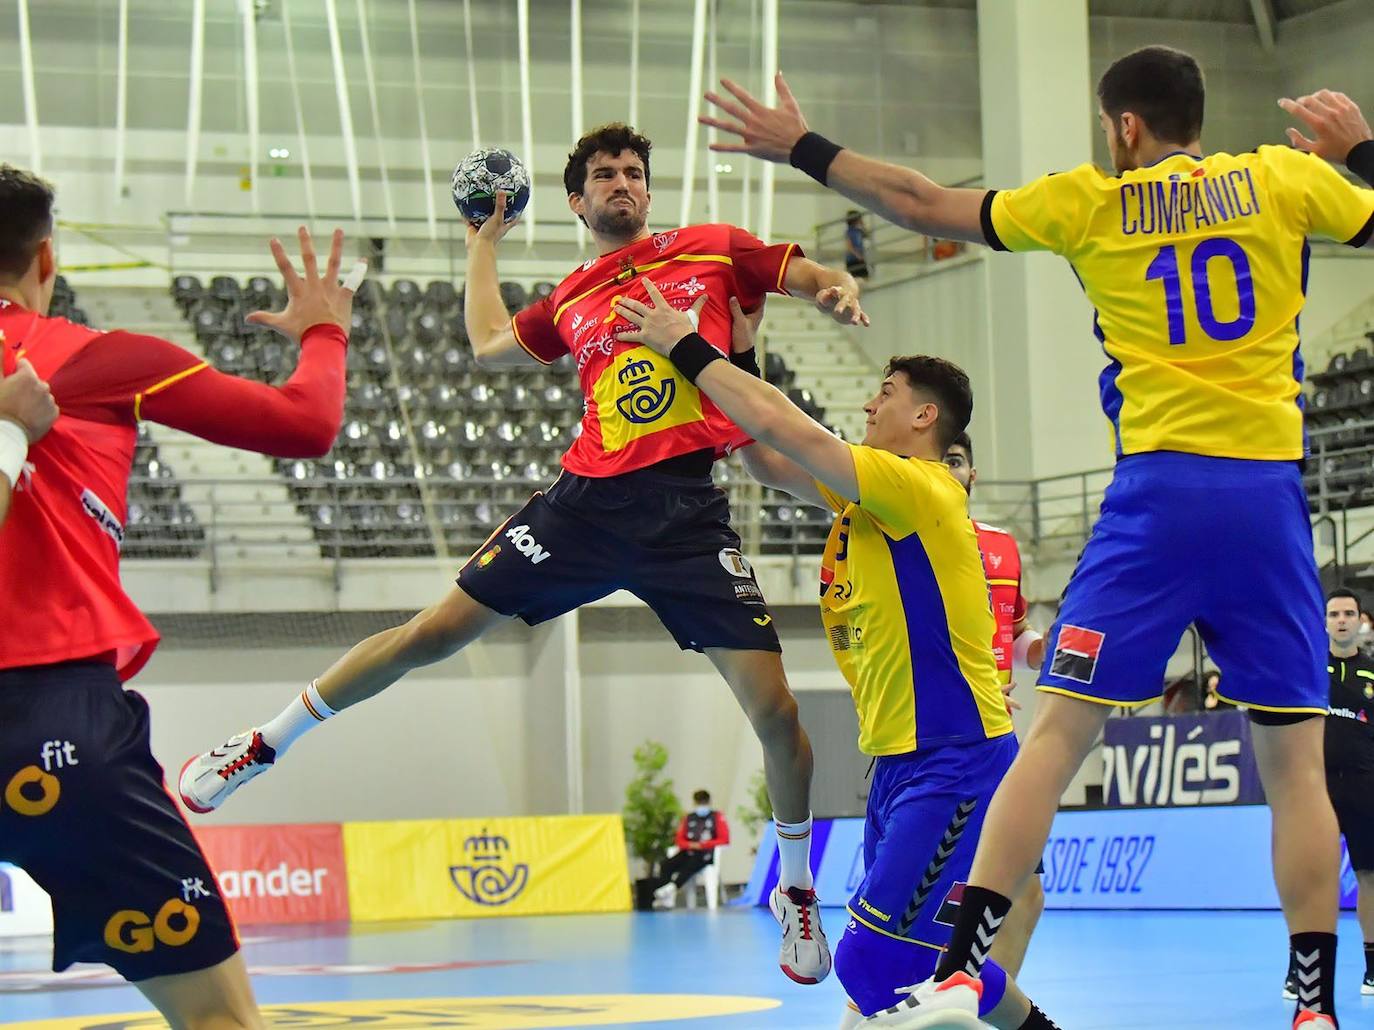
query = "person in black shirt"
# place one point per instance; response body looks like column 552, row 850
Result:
column 1350, row 759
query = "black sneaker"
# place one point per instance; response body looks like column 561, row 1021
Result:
column 1290, row 989
column 1368, row 986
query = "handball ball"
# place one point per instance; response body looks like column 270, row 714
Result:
column 484, row 173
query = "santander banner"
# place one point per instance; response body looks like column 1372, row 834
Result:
column 279, row 874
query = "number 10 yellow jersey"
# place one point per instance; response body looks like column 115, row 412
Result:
column 1197, row 268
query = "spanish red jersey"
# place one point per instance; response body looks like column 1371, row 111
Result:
column 1002, row 566
column 60, row 593
column 640, row 410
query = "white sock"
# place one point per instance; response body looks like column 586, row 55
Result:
column 794, row 853
column 852, row 1016
column 306, row 711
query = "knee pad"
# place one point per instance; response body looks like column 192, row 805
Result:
column 871, row 966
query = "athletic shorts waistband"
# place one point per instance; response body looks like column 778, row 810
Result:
column 1198, row 465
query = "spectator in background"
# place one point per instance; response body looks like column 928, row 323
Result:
column 1365, row 638
column 702, row 830
column 856, row 245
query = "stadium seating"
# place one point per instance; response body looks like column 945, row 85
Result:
column 1339, row 419
column 431, row 444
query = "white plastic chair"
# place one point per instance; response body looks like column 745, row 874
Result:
column 709, row 880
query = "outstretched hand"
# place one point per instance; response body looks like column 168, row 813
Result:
column 842, row 304
column 1334, row 119
column 769, row 133
column 311, row 299
column 659, row 325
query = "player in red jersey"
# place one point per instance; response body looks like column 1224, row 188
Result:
column 83, row 806
column 27, row 411
column 635, row 507
column 1016, row 645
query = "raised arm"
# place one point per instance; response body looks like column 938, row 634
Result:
column 1342, row 135
column 145, row 377
column 489, row 325
column 903, row 196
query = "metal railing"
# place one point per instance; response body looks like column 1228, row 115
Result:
column 885, row 243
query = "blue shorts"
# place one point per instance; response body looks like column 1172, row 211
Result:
column 925, row 812
column 1183, row 539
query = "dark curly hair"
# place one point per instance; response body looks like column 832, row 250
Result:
column 608, row 139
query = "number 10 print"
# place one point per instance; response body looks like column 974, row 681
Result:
column 1165, row 267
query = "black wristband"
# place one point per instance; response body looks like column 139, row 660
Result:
column 747, row 361
column 813, row 154
column 1360, row 160
column 691, row 354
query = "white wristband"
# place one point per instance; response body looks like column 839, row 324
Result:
column 14, row 450
column 1020, row 649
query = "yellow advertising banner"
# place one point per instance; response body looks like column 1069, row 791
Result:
column 447, row 868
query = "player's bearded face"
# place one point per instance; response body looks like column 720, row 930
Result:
column 615, row 196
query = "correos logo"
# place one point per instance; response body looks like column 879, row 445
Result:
column 490, row 877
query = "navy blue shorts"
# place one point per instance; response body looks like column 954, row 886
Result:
column 1185, row 539
column 666, row 539
column 925, row 813
column 85, row 812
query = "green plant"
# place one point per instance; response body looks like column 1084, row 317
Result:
column 651, row 810
column 758, row 807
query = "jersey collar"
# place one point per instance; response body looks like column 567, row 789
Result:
column 1173, row 153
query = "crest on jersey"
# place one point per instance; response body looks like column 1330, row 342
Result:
column 664, row 240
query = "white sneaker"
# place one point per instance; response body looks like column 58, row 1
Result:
column 805, row 953
column 208, row 779
column 947, row 1005
column 1367, row 987
column 666, row 896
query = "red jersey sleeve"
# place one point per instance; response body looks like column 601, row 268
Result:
column 759, row 268
column 122, row 375
column 535, row 331
column 683, row 841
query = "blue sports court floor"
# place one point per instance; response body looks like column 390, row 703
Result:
column 1090, row 971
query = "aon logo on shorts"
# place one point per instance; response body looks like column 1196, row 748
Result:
column 132, row 931
column 527, row 545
